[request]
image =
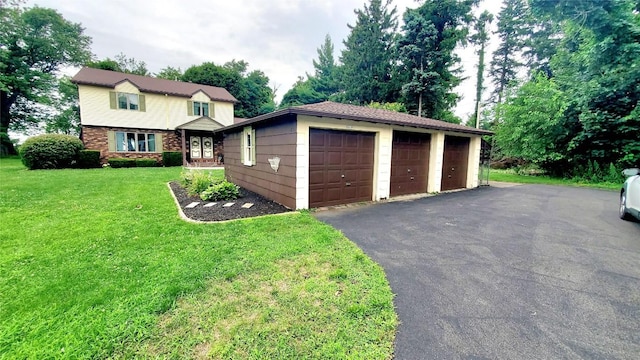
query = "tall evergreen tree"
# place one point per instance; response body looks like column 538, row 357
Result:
column 416, row 49
column 506, row 60
column 367, row 55
column 318, row 87
column 480, row 38
column 325, row 80
column 542, row 41
column 430, row 35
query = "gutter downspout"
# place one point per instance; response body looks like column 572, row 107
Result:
column 166, row 110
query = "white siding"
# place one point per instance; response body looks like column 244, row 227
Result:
column 162, row 111
column 224, row 113
column 200, row 96
column 473, row 170
column 436, row 159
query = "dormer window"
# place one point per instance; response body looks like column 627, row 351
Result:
column 126, row 101
column 200, row 108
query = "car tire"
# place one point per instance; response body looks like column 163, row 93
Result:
column 624, row 215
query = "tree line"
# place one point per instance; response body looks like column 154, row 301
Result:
column 576, row 109
column 565, row 76
column 35, row 43
column 564, row 79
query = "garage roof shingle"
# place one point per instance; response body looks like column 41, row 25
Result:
column 361, row 113
column 106, row 78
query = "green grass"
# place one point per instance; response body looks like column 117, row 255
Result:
column 97, row 264
column 510, row 176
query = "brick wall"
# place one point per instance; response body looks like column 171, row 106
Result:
column 95, row 138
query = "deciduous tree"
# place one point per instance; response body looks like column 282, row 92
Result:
column 532, row 127
column 170, row 73
column 252, row 90
column 34, row 44
column 301, row 93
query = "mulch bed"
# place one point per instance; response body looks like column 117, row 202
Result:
column 261, row 206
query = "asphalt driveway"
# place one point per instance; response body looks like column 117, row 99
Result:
column 522, row 272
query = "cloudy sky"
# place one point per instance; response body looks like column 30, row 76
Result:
column 279, row 37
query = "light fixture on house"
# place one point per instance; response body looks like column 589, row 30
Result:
column 275, row 163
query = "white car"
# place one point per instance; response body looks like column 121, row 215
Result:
column 630, row 195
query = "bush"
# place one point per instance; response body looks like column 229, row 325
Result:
column 196, row 181
column 221, row 191
column 146, row 163
column 122, row 163
column 172, row 158
column 88, row 159
column 592, row 172
column 50, row 151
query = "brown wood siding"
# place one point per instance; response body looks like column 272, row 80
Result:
column 409, row 163
column 455, row 162
column 340, row 167
column 279, row 138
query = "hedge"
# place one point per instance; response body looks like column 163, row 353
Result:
column 146, row 163
column 122, row 162
column 127, row 163
column 88, row 159
column 172, row 158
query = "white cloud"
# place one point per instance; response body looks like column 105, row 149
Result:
column 279, row 37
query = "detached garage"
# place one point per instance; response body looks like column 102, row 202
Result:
column 329, row 154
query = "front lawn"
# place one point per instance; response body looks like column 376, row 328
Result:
column 97, row 264
column 511, row 176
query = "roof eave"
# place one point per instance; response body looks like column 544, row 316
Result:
column 298, row 111
column 148, row 91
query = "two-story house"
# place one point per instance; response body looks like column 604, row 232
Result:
column 133, row 116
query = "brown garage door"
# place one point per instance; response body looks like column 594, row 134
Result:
column 454, row 165
column 409, row 163
column 340, row 167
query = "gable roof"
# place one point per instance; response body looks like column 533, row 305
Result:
column 201, row 119
column 361, row 113
column 106, row 78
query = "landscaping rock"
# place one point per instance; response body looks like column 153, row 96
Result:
column 261, row 206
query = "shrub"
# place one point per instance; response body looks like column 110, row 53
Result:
column 614, row 175
column 146, row 163
column 122, row 162
column 592, row 172
column 50, row 151
column 172, row 158
column 196, row 181
column 221, row 191
column 88, row 159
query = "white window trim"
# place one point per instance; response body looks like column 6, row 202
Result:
column 136, row 137
column 200, row 105
column 128, row 102
column 248, row 144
